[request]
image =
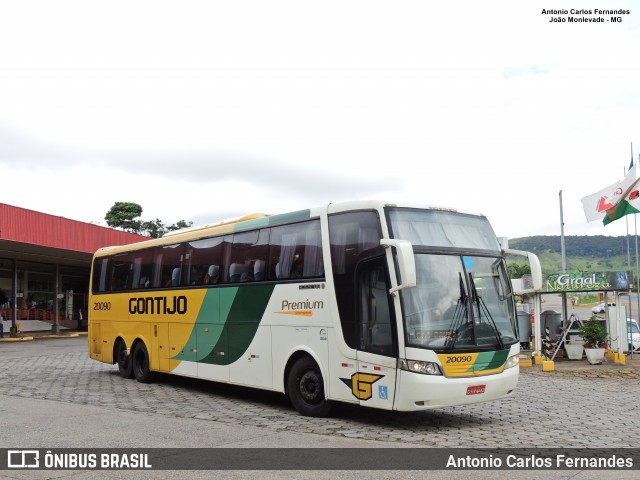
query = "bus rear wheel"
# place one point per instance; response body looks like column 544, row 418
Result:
column 306, row 389
column 140, row 362
column 123, row 358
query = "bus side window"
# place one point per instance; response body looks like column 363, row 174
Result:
column 121, row 267
column 295, row 251
column 167, row 266
column 142, row 269
column 247, row 256
column 101, row 275
column 203, row 261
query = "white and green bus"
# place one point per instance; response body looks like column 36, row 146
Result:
column 399, row 307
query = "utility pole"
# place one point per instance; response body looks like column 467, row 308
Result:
column 564, row 259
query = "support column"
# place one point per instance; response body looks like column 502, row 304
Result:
column 13, row 331
column 55, row 328
column 536, row 323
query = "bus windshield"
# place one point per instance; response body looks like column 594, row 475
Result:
column 459, row 303
column 441, row 228
column 463, row 298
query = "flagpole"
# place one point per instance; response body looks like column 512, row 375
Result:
column 637, row 277
column 637, row 283
column 563, row 295
column 562, row 250
column 620, row 348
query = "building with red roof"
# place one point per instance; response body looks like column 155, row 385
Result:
column 45, row 262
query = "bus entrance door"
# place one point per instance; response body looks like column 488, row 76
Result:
column 376, row 377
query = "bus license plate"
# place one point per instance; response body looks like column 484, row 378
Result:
column 476, row 389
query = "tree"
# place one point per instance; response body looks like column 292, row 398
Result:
column 180, row 224
column 153, row 228
column 123, row 215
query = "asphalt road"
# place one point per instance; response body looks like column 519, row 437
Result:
column 53, row 396
column 554, row 302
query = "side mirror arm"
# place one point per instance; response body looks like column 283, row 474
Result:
column 534, row 264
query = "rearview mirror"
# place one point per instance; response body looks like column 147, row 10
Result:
column 406, row 262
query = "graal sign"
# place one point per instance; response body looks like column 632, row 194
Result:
column 582, row 281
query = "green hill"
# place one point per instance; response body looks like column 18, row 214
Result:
column 583, row 252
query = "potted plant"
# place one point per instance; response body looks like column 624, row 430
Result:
column 594, row 336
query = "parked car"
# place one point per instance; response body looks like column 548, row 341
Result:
column 634, row 334
column 600, row 308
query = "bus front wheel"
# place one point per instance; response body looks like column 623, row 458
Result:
column 123, row 358
column 306, row 389
column 140, row 362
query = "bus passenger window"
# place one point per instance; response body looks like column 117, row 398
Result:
column 167, row 266
column 142, row 269
column 203, row 258
column 247, row 256
column 100, row 275
column 295, row 251
column 121, row 273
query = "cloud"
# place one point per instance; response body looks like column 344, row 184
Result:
column 199, row 186
column 214, row 109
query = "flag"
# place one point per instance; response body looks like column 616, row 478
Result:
column 596, row 205
column 629, row 204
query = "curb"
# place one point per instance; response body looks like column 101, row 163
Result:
column 38, row 337
column 591, row 375
column 67, row 335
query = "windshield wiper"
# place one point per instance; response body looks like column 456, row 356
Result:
column 482, row 307
column 459, row 315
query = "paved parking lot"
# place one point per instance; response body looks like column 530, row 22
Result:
column 566, row 409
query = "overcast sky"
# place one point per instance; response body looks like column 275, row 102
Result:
column 204, row 110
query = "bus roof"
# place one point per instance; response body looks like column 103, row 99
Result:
column 258, row 220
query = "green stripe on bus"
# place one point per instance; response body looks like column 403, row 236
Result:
column 209, row 326
column 242, row 316
column 489, row 360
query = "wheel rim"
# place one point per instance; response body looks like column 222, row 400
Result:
column 311, row 387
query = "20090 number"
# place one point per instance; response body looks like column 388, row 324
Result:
column 102, row 306
column 459, row 359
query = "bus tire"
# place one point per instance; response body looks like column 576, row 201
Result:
column 306, row 389
column 140, row 363
column 123, row 359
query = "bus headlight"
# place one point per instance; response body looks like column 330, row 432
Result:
column 512, row 361
column 425, row 368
